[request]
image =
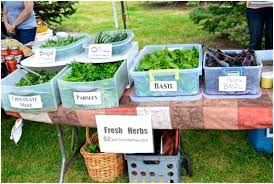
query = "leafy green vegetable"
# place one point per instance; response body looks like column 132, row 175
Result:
column 165, row 59
column 92, row 148
column 33, row 79
column 86, row 72
column 104, row 37
column 61, row 41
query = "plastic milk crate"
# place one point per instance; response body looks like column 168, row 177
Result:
column 251, row 73
column 154, row 168
column 261, row 139
column 35, row 98
column 187, row 80
column 96, row 94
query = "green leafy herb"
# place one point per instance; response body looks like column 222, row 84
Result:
column 86, row 72
column 92, row 148
column 165, row 59
column 32, row 79
column 61, row 41
column 104, row 37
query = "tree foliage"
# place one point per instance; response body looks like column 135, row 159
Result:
column 53, row 12
column 224, row 18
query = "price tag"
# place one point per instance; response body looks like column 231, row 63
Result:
column 125, row 134
column 100, row 51
column 87, row 98
column 232, row 83
column 45, row 55
column 26, row 102
column 163, row 85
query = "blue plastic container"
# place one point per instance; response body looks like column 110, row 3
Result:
column 261, row 139
column 67, row 51
column 187, row 81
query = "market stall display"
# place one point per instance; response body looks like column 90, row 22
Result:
column 26, row 92
column 167, row 70
column 239, row 78
column 82, row 86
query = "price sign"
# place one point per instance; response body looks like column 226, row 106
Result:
column 100, row 51
column 232, row 83
column 163, row 85
column 45, row 55
column 26, row 102
column 87, row 98
column 125, row 134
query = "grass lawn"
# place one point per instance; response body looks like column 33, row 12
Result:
column 216, row 156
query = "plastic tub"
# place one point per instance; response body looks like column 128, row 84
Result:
column 67, row 51
column 252, row 73
column 261, row 139
column 48, row 92
column 109, row 90
column 187, row 84
column 117, row 47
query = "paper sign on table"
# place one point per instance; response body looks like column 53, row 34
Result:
column 45, row 55
column 87, row 98
column 125, row 134
column 26, row 102
column 100, row 51
column 232, row 83
column 163, row 85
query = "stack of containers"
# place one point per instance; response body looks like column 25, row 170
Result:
column 213, row 74
column 187, row 80
column 102, row 93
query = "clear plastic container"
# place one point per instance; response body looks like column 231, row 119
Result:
column 48, row 92
column 67, row 51
column 110, row 90
column 117, row 47
column 187, row 84
column 252, row 74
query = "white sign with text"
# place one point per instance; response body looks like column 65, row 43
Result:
column 45, row 55
column 232, row 83
column 87, row 98
column 100, row 51
column 163, row 85
column 26, row 102
column 125, row 134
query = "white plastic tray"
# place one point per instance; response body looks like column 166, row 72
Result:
column 31, row 62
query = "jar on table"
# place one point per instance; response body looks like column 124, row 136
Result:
column 16, row 52
column 11, row 63
column 4, row 70
column 4, row 52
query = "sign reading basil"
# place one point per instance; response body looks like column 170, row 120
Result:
column 87, row 98
column 26, row 102
column 100, row 51
column 125, row 134
column 163, row 86
column 232, row 83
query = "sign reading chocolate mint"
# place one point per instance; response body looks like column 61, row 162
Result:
column 26, row 102
column 87, row 98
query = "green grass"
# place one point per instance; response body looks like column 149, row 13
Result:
column 216, row 156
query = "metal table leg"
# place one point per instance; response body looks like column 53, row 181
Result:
column 66, row 162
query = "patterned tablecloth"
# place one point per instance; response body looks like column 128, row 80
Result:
column 227, row 114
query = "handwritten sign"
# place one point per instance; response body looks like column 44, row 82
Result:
column 26, row 102
column 163, row 86
column 232, row 83
column 125, row 134
column 87, row 98
column 100, row 51
column 45, row 55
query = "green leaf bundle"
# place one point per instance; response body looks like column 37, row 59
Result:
column 104, row 37
column 61, row 41
column 32, row 79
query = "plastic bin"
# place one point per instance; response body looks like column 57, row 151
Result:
column 261, row 139
column 109, row 90
column 48, row 92
column 252, row 74
column 117, row 47
column 187, row 84
column 67, row 51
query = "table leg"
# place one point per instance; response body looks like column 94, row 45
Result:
column 66, row 162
